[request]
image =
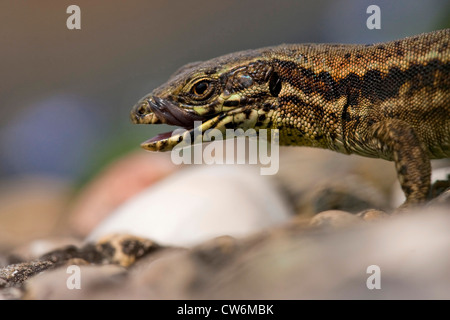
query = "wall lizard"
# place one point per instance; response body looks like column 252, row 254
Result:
column 388, row 100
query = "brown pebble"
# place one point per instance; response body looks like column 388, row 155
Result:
column 372, row 214
column 334, row 219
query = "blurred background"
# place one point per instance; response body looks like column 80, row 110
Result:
column 65, row 95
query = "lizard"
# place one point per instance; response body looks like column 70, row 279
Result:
column 387, row 100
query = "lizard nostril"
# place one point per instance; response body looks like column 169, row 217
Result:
column 143, row 108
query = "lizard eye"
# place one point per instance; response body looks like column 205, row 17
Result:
column 202, row 89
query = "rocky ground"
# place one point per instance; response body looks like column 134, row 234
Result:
column 313, row 231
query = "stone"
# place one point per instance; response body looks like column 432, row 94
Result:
column 334, row 219
column 200, row 203
column 118, row 182
column 372, row 215
column 96, row 282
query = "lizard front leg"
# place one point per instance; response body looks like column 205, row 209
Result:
column 397, row 141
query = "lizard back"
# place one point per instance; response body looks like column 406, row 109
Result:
column 344, row 89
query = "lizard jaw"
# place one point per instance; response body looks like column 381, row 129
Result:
column 187, row 137
column 234, row 119
column 154, row 110
column 195, row 128
column 166, row 141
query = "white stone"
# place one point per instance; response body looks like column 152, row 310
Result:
column 198, row 203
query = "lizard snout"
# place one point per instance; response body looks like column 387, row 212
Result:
column 142, row 112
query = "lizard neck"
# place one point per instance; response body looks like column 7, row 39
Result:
column 305, row 124
column 332, row 94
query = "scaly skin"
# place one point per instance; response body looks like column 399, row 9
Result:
column 388, row 100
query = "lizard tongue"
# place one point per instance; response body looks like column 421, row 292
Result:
column 160, row 136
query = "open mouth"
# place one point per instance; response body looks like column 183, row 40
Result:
column 154, row 110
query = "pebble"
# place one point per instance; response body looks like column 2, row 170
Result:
column 199, row 203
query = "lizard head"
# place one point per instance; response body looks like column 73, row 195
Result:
column 229, row 92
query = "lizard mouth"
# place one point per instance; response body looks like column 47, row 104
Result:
column 154, row 110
